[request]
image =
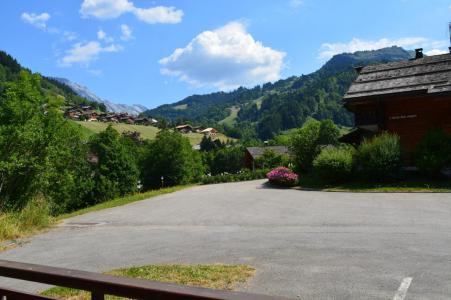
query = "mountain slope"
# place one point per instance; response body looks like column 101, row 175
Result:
column 83, row 91
column 265, row 110
column 10, row 72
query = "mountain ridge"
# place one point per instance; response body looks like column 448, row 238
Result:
column 273, row 107
column 83, row 91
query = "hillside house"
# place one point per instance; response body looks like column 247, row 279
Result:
column 127, row 119
column 408, row 98
column 251, row 154
column 186, row 128
column 89, row 115
column 209, row 132
column 73, row 114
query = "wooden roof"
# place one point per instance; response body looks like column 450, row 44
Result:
column 256, row 152
column 431, row 74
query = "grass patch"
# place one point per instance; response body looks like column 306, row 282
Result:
column 406, row 185
column 147, row 132
column 223, row 277
column 181, row 107
column 123, row 201
column 230, row 119
column 32, row 219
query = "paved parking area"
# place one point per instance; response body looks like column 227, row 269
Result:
column 309, row 245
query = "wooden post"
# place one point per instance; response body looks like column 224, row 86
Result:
column 97, row 296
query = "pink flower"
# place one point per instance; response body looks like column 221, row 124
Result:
column 282, row 176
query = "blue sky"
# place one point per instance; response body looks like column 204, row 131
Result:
column 156, row 52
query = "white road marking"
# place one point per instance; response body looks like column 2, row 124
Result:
column 402, row 291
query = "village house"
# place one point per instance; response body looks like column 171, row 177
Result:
column 209, row 132
column 186, row 128
column 408, row 98
column 89, row 115
column 251, row 154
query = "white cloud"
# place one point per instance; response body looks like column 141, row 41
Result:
column 225, row 58
column 126, row 33
column 328, row 50
column 101, row 35
column 85, row 53
column 40, row 21
column 110, row 9
column 435, row 52
column 69, row 36
column 159, row 14
column 295, row 3
column 105, row 9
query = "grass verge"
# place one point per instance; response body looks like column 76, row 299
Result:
column 406, row 186
column 123, row 201
column 216, row 276
column 35, row 217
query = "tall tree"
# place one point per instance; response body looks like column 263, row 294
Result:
column 171, row 157
column 116, row 172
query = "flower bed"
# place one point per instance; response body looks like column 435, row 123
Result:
column 282, row 176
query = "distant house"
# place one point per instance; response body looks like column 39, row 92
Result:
column 184, row 128
column 209, row 132
column 73, row 114
column 90, row 115
column 143, row 121
column 408, row 98
column 253, row 153
column 127, row 119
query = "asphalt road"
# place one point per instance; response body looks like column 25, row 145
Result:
column 310, row 245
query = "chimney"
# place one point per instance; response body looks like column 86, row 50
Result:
column 418, row 53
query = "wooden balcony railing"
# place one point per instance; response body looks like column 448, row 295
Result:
column 100, row 285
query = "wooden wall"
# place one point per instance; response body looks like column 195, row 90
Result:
column 411, row 118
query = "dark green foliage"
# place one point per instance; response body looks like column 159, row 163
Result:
column 380, row 157
column 433, row 153
column 241, row 176
column 334, row 164
column 116, row 173
column 170, row 156
column 227, row 160
column 271, row 159
column 41, row 154
column 10, row 72
column 207, row 144
column 306, row 143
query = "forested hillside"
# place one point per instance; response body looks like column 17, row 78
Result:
column 264, row 111
column 10, row 72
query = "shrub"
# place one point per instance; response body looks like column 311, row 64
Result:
column 282, row 176
column 271, row 159
column 433, row 153
column 306, row 142
column 334, row 164
column 380, row 157
column 241, row 176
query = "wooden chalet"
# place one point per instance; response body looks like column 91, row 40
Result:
column 209, row 132
column 408, row 98
column 186, row 128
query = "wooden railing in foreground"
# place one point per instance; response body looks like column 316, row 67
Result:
column 100, row 285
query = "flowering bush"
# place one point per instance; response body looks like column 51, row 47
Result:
column 282, row 176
